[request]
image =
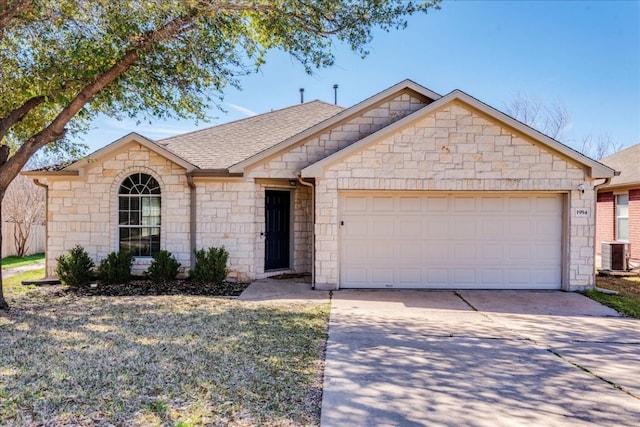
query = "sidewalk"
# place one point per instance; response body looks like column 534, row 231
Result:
column 17, row 270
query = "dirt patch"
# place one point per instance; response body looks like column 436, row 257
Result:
column 628, row 286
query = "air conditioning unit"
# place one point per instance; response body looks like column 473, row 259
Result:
column 615, row 256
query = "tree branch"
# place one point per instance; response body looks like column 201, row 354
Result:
column 8, row 11
column 56, row 129
column 18, row 114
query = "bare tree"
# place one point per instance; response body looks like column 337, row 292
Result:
column 600, row 147
column 24, row 207
column 551, row 119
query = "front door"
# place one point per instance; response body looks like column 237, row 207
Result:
column 277, row 229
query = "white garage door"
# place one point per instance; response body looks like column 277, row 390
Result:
column 453, row 241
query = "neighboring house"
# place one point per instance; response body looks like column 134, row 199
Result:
column 407, row 189
column 618, row 215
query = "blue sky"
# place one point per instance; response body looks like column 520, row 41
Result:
column 582, row 54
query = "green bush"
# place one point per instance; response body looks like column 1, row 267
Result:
column 164, row 267
column 211, row 266
column 75, row 269
column 116, row 267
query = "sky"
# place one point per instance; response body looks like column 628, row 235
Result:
column 584, row 55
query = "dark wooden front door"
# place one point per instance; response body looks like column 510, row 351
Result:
column 277, row 230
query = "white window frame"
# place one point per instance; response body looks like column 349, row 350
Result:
column 622, row 215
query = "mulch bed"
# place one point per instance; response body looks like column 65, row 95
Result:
column 176, row 287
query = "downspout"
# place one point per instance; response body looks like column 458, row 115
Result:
column 192, row 219
column 595, row 226
column 46, row 224
column 313, row 231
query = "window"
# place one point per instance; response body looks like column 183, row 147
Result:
column 139, row 215
column 622, row 217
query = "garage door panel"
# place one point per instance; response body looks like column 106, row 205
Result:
column 462, row 229
column 464, row 276
column 382, row 276
column 437, row 204
column 437, row 228
column 450, row 241
column 491, row 276
column 464, row 204
column 410, row 204
column 354, row 204
column 382, row 204
column 410, row 276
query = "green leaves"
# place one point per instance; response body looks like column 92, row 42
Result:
column 186, row 52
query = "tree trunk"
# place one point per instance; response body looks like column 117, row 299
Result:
column 3, row 302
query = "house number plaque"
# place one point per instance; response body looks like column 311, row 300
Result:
column 582, row 212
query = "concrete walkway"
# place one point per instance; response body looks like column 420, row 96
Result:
column 479, row 358
column 8, row 272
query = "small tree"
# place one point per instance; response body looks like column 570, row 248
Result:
column 211, row 266
column 24, row 207
column 164, row 267
column 116, row 267
column 75, row 269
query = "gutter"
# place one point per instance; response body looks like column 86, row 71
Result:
column 313, row 224
column 192, row 219
column 37, row 182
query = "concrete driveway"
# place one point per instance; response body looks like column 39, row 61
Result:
column 479, row 358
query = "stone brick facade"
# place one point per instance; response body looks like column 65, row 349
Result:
column 84, row 209
column 456, row 149
column 387, row 144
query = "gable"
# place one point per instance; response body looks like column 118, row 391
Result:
column 455, row 144
column 462, row 130
column 391, row 98
column 287, row 163
column 132, row 141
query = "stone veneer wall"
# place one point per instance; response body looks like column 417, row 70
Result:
column 231, row 214
column 455, row 149
column 287, row 165
column 84, row 210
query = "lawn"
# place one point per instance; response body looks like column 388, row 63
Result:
column 628, row 299
column 158, row 360
column 14, row 261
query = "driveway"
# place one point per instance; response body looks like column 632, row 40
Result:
column 479, row 358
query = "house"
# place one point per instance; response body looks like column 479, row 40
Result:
column 618, row 212
column 407, row 189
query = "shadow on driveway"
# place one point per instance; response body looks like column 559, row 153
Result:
column 479, row 358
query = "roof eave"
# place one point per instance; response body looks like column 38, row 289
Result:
column 49, row 174
column 131, row 137
column 214, row 173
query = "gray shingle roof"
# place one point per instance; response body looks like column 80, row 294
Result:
column 222, row 146
column 627, row 162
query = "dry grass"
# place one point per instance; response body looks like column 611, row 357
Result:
column 163, row 360
column 628, row 299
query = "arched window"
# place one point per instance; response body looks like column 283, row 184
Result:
column 139, row 215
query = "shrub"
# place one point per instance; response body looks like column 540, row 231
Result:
column 75, row 269
column 211, row 266
column 116, row 267
column 164, row 267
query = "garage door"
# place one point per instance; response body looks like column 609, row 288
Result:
column 453, row 241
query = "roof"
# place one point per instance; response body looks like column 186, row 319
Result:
column 346, row 114
column 627, row 162
column 222, row 146
column 596, row 169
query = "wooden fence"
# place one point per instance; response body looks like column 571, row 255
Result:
column 35, row 244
